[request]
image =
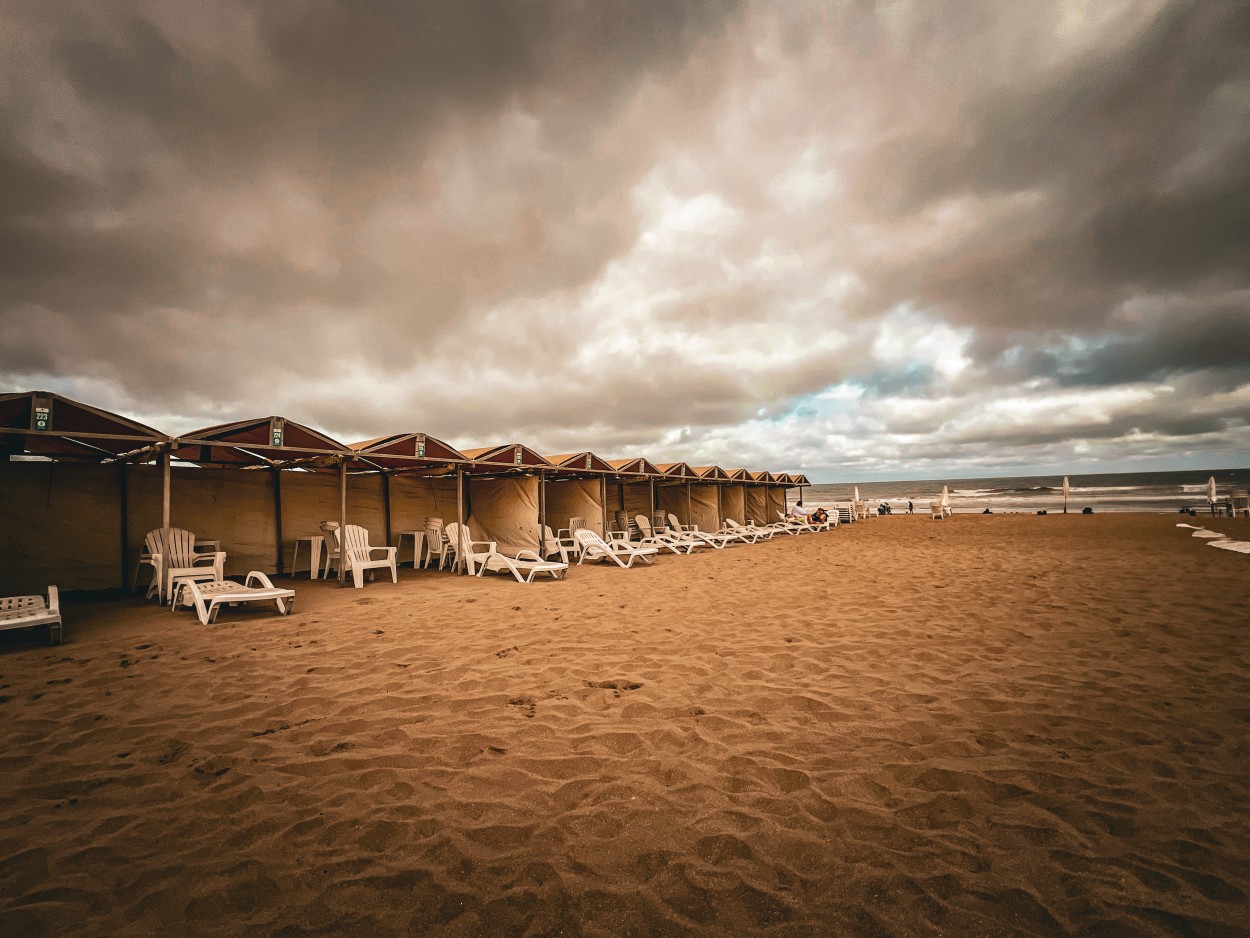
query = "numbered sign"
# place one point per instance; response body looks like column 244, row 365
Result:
column 43, row 418
column 421, row 448
column 276, row 434
column 517, row 458
column 588, row 460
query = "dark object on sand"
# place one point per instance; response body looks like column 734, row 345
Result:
column 987, row 512
column 1042, row 512
column 1186, row 511
column 1087, row 510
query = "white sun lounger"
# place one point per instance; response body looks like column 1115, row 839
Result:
column 207, row 598
column 621, row 553
column 677, row 543
column 524, row 566
column 27, row 612
column 715, row 541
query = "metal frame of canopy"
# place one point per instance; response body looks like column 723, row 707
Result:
column 273, row 443
column 50, row 426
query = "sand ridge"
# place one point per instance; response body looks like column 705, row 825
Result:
column 986, row 725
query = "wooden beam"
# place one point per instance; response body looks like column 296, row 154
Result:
column 125, row 531
column 342, row 521
column 277, row 517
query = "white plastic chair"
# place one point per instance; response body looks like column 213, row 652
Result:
column 437, row 543
column 677, row 543
column 564, row 546
column 1239, row 503
column 177, row 557
column 27, row 612
column 359, row 555
column 460, row 543
column 715, row 541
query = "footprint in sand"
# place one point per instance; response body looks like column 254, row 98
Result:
column 616, row 686
column 507, row 651
column 526, row 705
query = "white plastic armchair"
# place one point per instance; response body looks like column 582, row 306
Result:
column 621, row 553
column 27, row 612
column 473, row 552
column 359, row 555
column 564, row 546
column 175, row 557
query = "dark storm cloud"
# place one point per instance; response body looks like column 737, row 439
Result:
column 704, row 226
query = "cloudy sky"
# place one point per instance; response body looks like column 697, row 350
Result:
column 859, row 240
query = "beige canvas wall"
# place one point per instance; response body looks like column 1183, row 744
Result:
column 415, row 498
column 638, row 498
column 573, row 498
column 757, row 505
column 734, row 503
column 671, row 499
column 505, row 511
column 705, row 507
column 61, row 526
column 776, row 502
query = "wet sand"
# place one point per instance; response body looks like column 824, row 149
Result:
column 1003, row 725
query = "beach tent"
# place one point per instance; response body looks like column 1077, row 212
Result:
column 576, row 489
column 631, row 488
column 256, row 485
column 63, row 483
column 706, row 509
column 421, row 478
column 502, row 496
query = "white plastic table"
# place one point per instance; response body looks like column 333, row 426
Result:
column 315, row 542
column 418, row 545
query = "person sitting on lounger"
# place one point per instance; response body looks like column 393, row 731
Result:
column 798, row 512
column 819, row 516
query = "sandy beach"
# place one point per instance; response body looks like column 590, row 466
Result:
column 1003, row 725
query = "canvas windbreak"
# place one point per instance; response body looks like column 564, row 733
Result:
column 671, row 499
column 776, row 503
column 574, row 498
column 637, row 499
column 733, row 502
column 415, row 498
column 62, row 526
column 705, row 507
column 757, row 505
column 505, row 511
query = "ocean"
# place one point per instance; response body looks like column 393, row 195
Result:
column 1117, row 491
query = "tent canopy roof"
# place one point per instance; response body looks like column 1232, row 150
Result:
column 763, row 476
column 408, row 451
column 710, row 473
column 503, row 457
column 738, row 475
column 584, row 461
column 261, row 441
column 636, row 466
column 676, row 470
column 41, row 423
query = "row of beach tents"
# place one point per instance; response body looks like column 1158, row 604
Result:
column 80, row 487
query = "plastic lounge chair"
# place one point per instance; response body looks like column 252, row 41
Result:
column 715, row 541
column 749, row 535
column 28, row 612
column 207, row 598
column 677, row 543
column 936, row 512
column 795, row 525
column 360, row 557
column 596, row 548
column 177, row 557
column 752, row 527
column 524, row 566
column 464, row 547
column 564, row 546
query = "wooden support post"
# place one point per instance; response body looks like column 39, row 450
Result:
column 542, row 508
column 460, row 515
column 342, row 521
column 386, row 504
column 603, row 503
column 689, row 509
column 277, row 519
column 125, row 532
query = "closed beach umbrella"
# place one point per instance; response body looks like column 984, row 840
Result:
column 1211, row 490
column 857, row 493
column 946, row 497
column 1065, row 495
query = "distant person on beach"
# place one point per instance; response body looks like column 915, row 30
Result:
column 799, row 512
column 909, row 508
